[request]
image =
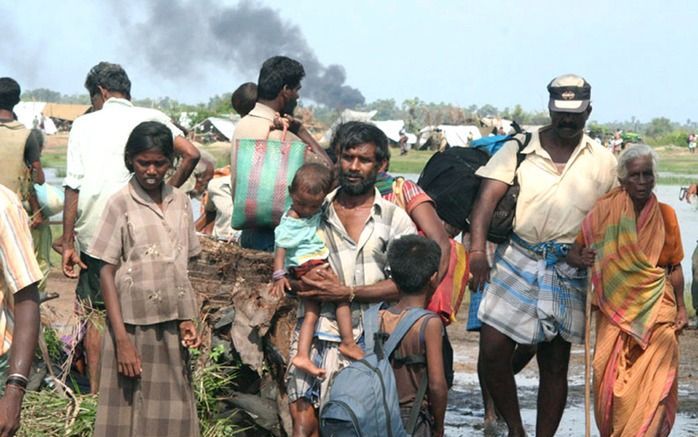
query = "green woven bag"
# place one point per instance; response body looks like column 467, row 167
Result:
column 263, row 172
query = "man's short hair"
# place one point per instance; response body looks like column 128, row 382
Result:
column 413, row 260
column 353, row 133
column 111, row 77
column 244, row 98
column 9, row 93
column 277, row 72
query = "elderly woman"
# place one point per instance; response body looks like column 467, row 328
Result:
column 633, row 244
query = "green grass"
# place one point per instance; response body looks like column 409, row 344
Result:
column 676, row 180
column 678, row 163
column 671, row 160
column 413, row 162
column 55, row 157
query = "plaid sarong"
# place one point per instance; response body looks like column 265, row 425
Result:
column 159, row 403
column 326, row 355
column 531, row 301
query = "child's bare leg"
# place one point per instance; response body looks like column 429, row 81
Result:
column 348, row 346
column 305, row 338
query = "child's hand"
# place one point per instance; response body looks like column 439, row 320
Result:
column 280, row 286
column 128, row 360
column 188, row 335
column 37, row 220
column 282, row 123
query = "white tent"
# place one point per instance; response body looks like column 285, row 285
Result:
column 392, row 128
column 29, row 112
column 347, row 115
column 497, row 122
column 456, row 136
column 224, row 126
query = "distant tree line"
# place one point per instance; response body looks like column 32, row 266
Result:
column 415, row 112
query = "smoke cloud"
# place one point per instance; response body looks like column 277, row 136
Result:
column 181, row 38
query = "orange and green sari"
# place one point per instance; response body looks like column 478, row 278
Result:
column 636, row 354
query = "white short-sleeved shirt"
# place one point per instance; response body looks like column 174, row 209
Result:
column 95, row 164
column 552, row 204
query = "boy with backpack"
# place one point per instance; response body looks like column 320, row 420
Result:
column 417, row 361
column 399, row 389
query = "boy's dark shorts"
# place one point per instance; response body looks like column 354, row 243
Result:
column 88, row 290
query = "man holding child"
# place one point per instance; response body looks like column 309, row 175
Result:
column 357, row 226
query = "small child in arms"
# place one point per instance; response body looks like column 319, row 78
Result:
column 299, row 249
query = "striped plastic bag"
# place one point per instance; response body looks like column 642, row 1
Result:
column 263, row 172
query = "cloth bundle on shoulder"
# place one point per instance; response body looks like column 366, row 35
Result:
column 263, row 172
column 449, row 179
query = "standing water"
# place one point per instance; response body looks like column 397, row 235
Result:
column 464, row 416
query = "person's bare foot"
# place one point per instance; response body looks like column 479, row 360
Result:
column 307, row 366
column 490, row 424
column 351, row 351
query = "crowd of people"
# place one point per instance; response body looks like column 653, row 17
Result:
column 360, row 249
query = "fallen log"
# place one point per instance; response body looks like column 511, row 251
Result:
column 236, row 306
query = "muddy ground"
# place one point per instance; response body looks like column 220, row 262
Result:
column 465, row 414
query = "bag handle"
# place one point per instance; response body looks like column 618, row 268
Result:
column 271, row 128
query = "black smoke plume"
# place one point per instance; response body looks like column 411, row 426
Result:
column 181, row 38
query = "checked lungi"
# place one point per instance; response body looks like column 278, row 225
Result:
column 531, row 300
column 158, row 403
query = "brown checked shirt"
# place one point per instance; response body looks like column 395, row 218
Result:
column 152, row 248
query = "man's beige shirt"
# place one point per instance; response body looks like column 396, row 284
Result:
column 552, row 204
column 257, row 125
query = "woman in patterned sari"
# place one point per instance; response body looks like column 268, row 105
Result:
column 633, row 244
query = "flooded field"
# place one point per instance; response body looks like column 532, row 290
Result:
column 464, row 416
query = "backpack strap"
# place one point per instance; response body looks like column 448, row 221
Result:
column 522, row 145
column 403, row 326
column 417, row 406
column 371, row 325
column 423, row 384
column 410, row 360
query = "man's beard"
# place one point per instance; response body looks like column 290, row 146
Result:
column 363, row 186
column 569, row 130
column 289, row 107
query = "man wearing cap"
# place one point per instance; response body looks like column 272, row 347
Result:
column 533, row 295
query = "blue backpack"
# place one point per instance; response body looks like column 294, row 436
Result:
column 363, row 399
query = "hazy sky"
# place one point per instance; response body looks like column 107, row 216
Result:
column 638, row 55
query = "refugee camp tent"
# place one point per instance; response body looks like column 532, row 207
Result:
column 64, row 114
column 64, row 111
column 215, row 129
column 456, row 136
column 347, row 115
column 496, row 122
column 30, row 115
column 392, row 128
